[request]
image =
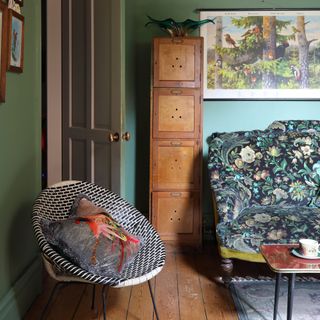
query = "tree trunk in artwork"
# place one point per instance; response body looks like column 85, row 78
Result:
column 303, row 52
column 218, row 58
column 269, row 51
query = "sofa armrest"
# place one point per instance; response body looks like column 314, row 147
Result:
column 228, row 203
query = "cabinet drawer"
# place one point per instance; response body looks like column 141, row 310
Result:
column 177, row 62
column 176, row 164
column 175, row 214
column 176, row 113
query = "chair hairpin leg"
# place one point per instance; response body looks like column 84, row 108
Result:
column 103, row 296
column 55, row 288
column 93, row 296
column 153, row 301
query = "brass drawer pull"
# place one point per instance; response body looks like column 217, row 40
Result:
column 175, row 143
column 175, row 194
column 175, row 91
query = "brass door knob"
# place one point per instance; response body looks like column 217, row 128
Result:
column 126, row 136
column 114, row 137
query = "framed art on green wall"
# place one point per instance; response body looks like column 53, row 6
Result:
column 262, row 54
column 15, row 41
column 3, row 49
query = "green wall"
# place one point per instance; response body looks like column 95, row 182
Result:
column 218, row 115
column 20, row 167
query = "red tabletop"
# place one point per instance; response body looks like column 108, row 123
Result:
column 281, row 260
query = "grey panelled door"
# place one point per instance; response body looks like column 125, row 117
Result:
column 91, row 91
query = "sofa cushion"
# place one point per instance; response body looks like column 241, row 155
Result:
column 269, row 224
column 264, row 169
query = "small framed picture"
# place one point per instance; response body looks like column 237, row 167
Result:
column 3, row 49
column 15, row 41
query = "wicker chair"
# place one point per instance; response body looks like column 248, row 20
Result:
column 55, row 202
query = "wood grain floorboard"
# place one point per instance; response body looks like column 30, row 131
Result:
column 140, row 306
column 167, row 301
column 84, row 310
column 118, row 300
column 65, row 305
column 184, row 290
column 189, row 295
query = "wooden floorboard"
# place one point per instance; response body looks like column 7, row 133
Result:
column 184, row 290
column 140, row 306
column 167, row 290
column 189, row 295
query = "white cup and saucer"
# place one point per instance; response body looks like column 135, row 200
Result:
column 308, row 249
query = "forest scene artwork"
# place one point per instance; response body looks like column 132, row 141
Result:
column 262, row 54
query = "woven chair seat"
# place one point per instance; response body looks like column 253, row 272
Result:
column 55, row 202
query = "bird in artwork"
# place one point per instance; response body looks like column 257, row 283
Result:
column 247, row 71
column 230, row 40
column 256, row 30
column 219, row 62
column 281, row 49
column 176, row 28
column 247, row 34
column 295, row 30
column 296, row 72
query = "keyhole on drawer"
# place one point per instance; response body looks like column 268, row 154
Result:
column 172, row 66
column 180, row 66
column 177, row 58
column 179, row 219
column 171, row 219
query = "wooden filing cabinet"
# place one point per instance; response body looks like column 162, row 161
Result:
column 176, row 139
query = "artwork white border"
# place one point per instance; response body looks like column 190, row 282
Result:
column 253, row 94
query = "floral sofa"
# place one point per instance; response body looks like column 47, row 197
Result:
column 266, row 185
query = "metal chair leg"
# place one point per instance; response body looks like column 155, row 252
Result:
column 93, row 296
column 104, row 300
column 153, row 302
column 58, row 284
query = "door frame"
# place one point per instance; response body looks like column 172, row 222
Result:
column 54, row 90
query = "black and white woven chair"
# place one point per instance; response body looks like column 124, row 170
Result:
column 54, row 203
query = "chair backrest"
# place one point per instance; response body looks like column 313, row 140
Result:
column 55, row 202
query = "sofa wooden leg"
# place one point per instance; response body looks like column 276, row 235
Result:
column 227, row 268
column 227, row 265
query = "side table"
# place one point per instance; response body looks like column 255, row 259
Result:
column 280, row 260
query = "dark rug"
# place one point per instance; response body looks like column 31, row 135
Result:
column 254, row 299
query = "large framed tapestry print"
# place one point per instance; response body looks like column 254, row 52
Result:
column 268, row 54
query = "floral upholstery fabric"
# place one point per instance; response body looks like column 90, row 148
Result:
column 269, row 224
column 296, row 125
column 276, row 169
